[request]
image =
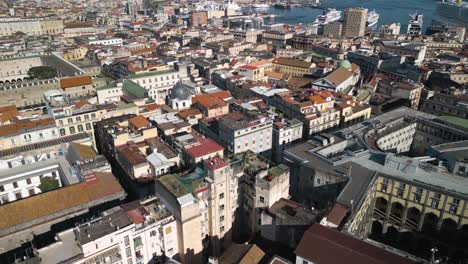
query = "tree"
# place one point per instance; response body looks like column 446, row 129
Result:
column 42, row 72
column 48, row 184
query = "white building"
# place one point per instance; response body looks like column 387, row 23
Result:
column 287, row 131
column 109, row 93
column 157, row 84
column 390, row 29
column 20, row 177
column 132, row 233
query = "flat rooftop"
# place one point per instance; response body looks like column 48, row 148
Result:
column 102, row 227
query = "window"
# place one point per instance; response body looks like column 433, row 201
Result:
column 383, row 188
column 262, row 199
column 88, row 126
column 221, row 218
column 78, row 119
column 417, row 198
column 435, row 203
column 15, row 185
column 127, row 240
column 221, row 207
column 221, row 229
column 221, row 196
column 153, row 233
column 70, row 120
column 62, row 132
column 128, row 251
column 419, row 190
column 31, row 192
column 18, row 195
column 28, row 181
column 2, row 188
column 80, row 128
column 86, row 117
column 453, row 209
column 4, row 199
column 72, row 130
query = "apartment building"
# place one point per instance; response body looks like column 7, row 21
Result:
column 261, row 186
column 277, row 39
column 157, row 84
column 202, row 149
column 212, row 105
column 137, row 232
column 24, row 132
column 72, row 117
column 238, row 132
column 402, row 89
column 354, row 22
column 203, row 203
column 446, row 104
column 109, row 93
column 390, row 29
column 318, row 112
column 255, row 71
column 415, row 51
column 293, row 67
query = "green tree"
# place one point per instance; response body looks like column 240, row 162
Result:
column 48, row 184
column 42, row 72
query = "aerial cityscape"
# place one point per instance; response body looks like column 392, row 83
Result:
column 233, row 131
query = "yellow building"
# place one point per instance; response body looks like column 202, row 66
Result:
column 292, row 66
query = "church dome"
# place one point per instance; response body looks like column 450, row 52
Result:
column 180, row 91
column 345, row 64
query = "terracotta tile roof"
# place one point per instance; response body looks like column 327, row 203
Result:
column 21, row 125
column 75, row 81
column 338, row 76
column 7, row 113
column 204, row 147
column 254, row 255
column 132, row 154
column 80, row 104
column 224, row 95
column 136, row 216
column 151, row 107
column 208, row 101
column 292, row 63
column 59, row 200
column 189, row 112
column 325, row 245
column 139, row 122
column 317, row 99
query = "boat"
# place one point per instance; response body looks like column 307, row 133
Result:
column 282, row 5
column 329, row 16
column 260, row 5
column 415, row 24
column 451, row 12
column 372, row 19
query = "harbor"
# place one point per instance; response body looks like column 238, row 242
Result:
column 389, row 11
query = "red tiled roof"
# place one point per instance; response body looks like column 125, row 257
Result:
column 337, row 214
column 75, row 81
column 136, row 216
column 204, row 147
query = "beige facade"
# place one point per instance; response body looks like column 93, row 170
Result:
column 354, row 22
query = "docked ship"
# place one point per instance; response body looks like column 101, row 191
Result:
column 451, row 12
column 372, row 19
column 261, row 5
column 329, row 16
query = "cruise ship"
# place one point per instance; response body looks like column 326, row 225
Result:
column 372, row 19
column 452, row 12
column 329, row 16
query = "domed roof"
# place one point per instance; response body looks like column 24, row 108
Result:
column 345, row 64
column 180, row 91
